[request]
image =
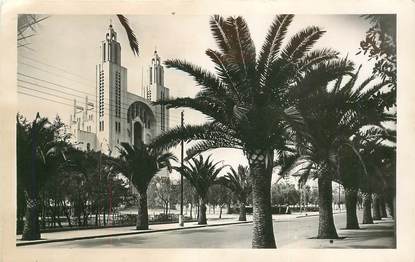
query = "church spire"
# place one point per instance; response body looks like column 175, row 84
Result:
column 110, row 48
column 111, row 34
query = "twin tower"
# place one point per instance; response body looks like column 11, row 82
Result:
column 115, row 115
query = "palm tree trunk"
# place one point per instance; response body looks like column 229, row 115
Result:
column 383, row 208
column 142, row 215
column 31, row 229
column 228, row 207
column 201, row 220
column 66, row 212
column 242, row 211
column 220, row 211
column 376, row 207
column 351, row 216
column 390, row 206
column 367, row 209
column 263, row 233
column 326, row 227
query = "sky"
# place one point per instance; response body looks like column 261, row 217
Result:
column 65, row 50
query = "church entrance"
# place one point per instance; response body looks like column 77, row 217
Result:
column 138, row 133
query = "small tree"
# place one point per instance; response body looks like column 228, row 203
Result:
column 164, row 192
column 240, row 184
column 219, row 195
column 140, row 163
column 202, row 175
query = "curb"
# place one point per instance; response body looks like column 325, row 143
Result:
column 36, row 242
column 314, row 215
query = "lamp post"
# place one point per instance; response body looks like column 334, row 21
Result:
column 109, row 178
column 181, row 217
column 340, row 207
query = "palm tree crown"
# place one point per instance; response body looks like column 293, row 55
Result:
column 238, row 181
column 248, row 100
column 201, row 173
column 141, row 163
column 332, row 116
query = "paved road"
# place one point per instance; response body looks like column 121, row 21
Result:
column 286, row 230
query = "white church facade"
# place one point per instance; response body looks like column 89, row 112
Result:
column 115, row 115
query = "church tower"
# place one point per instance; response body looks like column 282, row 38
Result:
column 157, row 91
column 111, row 92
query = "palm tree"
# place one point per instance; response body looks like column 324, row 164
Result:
column 248, row 101
column 332, row 116
column 39, row 155
column 379, row 154
column 201, row 174
column 140, row 163
column 239, row 182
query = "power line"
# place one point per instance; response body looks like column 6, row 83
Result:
column 71, row 105
column 171, row 117
column 52, row 83
column 57, row 74
column 68, row 88
column 58, row 68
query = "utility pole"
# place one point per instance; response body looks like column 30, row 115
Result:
column 340, row 208
column 99, row 185
column 181, row 217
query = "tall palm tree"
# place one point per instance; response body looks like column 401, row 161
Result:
column 240, row 184
column 332, row 115
column 370, row 143
column 39, row 155
column 140, row 164
column 202, row 174
column 248, row 101
column 378, row 151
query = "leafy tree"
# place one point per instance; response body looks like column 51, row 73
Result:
column 202, row 174
column 189, row 195
column 140, row 163
column 40, row 151
column 219, row 195
column 285, row 194
column 164, row 192
column 249, row 101
column 240, row 183
column 380, row 45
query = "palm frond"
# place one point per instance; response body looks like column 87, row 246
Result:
column 132, row 39
column 207, row 145
column 217, row 24
column 273, row 42
column 242, row 52
column 301, row 43
column 206, row 80
column 225, row 71
column 174, row 136
column 206, row 105
column 316, row 56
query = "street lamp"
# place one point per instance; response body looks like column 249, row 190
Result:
column 181, row 217
column 109, row 197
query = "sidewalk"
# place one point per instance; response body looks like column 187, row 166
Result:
column 121, row 231
column 377, row 235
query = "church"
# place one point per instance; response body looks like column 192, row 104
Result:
column 115, row 115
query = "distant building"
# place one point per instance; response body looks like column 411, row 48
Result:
column 115, row 115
